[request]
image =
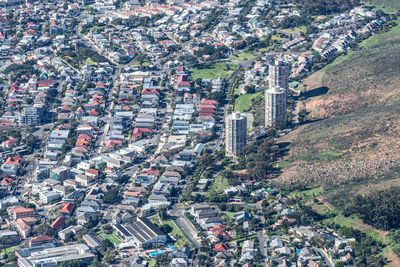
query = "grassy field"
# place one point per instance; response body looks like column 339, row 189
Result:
column 219, row 184
column 331, row 155
column 307, row 194
column 89, row 62
column 353, row 223
column 214, row 71
column 388, row 6
column 295, row 30
column 276, row 38
column 112, row 237
column 229, row 214
column 343, row 221
column 243, row 102
column 244, row 56
column 8, row 250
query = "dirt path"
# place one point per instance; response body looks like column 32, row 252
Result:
column 392, row 258
column 383, row 234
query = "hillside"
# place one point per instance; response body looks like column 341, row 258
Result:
column 394, row 4
column 353, row 137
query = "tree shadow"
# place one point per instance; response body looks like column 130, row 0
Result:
column 283, row 145
column 315, row 92
column 309, row 121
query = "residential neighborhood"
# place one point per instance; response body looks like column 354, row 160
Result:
column 144, row 133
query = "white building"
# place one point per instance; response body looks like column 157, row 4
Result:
column 235, row 133
column 275, row 107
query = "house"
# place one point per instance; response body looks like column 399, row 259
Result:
column 48, row 197
column 58, row 223
column 9, row 143
column 24, row 226
column 40, row 240
column 17, row 212
column 9, row 237
column 67, row 209
column 92, row 241
column 205, row 215
column 221, row 247
column 83, row 179
column 241, row 217
column 74, row 197
column 276, row 243
column 63, row 234
column 179, row 262
column 11, row 165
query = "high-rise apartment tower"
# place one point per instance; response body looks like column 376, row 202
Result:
column 235, row 133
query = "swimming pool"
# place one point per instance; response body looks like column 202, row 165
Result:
column 156, row 253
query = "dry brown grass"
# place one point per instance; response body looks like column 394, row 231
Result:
column 356, row 142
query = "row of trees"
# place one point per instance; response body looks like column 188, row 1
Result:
column 380, row 209
column 259, row 157
column 325, row 7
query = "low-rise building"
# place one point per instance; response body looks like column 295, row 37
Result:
column 141, row 233
column 53, row 256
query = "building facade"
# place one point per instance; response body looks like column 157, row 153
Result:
column 29, row 115
column 235, row 133
column 275, row 107
column 278, row 74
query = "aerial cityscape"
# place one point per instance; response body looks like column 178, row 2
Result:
column 199, row 133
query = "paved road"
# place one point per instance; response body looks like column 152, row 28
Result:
column 327, row 260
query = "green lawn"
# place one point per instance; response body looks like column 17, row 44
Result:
column 8, row 250
column 282, row 164
column 219, row 184
column 387, row 6
column 331, row 154
column 97, row 28
column 307, row 194
column 154, row 219
column 244, row 56
column 214, row 71
column 276, row 38
column 89, row 62
column 152, row 262
column 243, row 102
column 229, row 214
column 112, row 237
column 295, row 30
column 320, row 208
column 349, row 222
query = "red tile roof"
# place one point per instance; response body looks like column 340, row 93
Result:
column 209, row 102
column 58, row 223
column 221, row 247
column 93, row 171
column 147, row 91
column 41, row 238
column 18, row 209
column 67, row 208
column 14, row 160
